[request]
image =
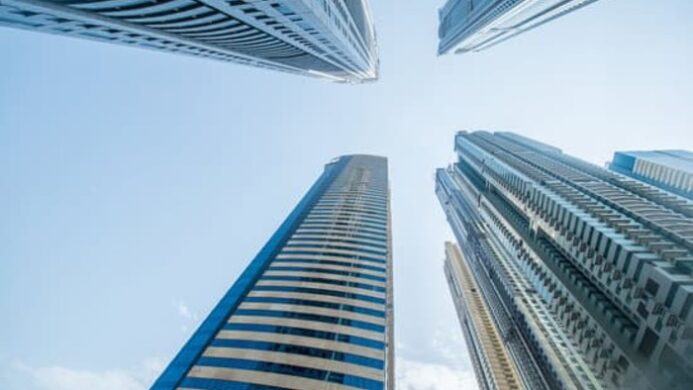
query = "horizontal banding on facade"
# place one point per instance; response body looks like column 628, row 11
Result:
column 342, row 329
column 271, row 272
column 316, row 297
column 344, row 267
column 322, row 286
column 266, row 379
column 302, row 341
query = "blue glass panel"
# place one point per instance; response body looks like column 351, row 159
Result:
column 332, row 262
column 300, row 350
column 321, row 292
column 298, row 244
column 287, row 369
column 310, row 317
column 326, row 281
column 364, row 342
column 354, row 240
column 218, row 384
column 330, row 271
column 329, row 305
column 335, row 254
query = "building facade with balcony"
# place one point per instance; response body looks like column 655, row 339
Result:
column 334, row 40
column 670, row 170
column 586, row 274
column 493, row 365
column 475, row 25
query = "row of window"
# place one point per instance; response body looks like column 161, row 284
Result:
column 299, row 350
column 359, row 257
column 330, row 245
column 356, row 196
column 308, row 302
column 220, row 384
column 320, row 291
column 311, row 317
column 347, row 213
column 359, row 265
column 353, row 206
column 286, row 369
column 369, row 208
column 304, row 332
column 344, row 231
column 329, row 271
column 344, row 283
column 366, row 204
column 340, row 239
column 347, row 222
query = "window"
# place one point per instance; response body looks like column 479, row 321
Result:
column 651, row 287
column 642, row 310
column 649, row 342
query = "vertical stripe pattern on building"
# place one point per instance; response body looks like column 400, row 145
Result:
column 587, row 274
column 670, row 170
column 494, row 368
column 475, row 25
column 314, row 308
column 329, row 39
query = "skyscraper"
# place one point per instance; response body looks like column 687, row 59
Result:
column 329, row 39
column 313, row 310
column 474, row 25
column 670, row 170
column 586, row 274
column 494, row 367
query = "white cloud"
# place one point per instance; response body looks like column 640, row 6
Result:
column 190, row 318
column 22, row 376
column 450, row 345
column 416, row 375
column 152, row 368
column 442, row 363
column 186, row 313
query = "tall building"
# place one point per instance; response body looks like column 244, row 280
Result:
column 313, row 310
column 670, row 170
column 329, row 39
column 494, row 367
column 586, row 274
column 475, row 25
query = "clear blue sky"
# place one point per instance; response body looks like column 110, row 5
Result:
column 136, row 185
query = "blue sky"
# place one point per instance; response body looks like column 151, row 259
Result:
column 136, row 185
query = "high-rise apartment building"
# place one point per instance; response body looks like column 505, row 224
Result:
column 313, row 310
column 670, row 170
column 474, row 25
column 494, row 367
column 329, row 39
column 586, row 274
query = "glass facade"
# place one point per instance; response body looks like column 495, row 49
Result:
column 329, row 39
column 586, row 274
column 474, row 25
column 670, row 170
column 314, row 308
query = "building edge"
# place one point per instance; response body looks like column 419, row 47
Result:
column 184, row 360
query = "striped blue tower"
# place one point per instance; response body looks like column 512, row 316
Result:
column 313, row 310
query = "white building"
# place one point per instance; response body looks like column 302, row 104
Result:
column 328, row 39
